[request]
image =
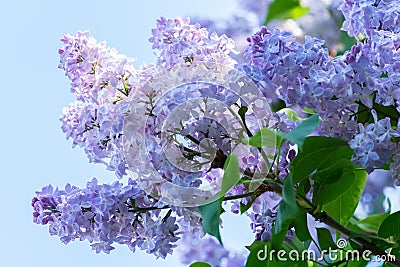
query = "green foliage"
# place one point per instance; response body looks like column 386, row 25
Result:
column 342, row 209
column 210, row 212
column 325, row 239
column 245, row 207
column 200, row 264
column 291, row 114
column 372, row 223
column 346, row 41
column 318, row 153
column 285, row 9
column 300, row 225
column 390, row 227
column 210, row 218
column 364, row 114
column 270, row 138
column 288, row 211
column 378, row 241
column 331, row 183
column 299, row 134
column 231, row 173
column 265, row 137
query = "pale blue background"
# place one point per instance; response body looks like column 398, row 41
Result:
column 34, row 91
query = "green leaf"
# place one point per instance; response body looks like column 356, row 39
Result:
column 342, row 209
column 231, row 174
column 309, row 111
column 325, row 239
column 333, row 182
column 379, row 241
column 271, row 138
column 318, row 153
column 334, row 172
column 211, row 210
column 288, row 211
column 356, row 263
column 390, row 226
column 285, row 9
column 200, row 264
column 264, row 137
column 245, row 207
column 257, row 253
column 210, row 218
column 277, row 105
column 372, row 222
column 298, row 134
column 300, row 225
column 230, row 178
column 346, row 41
column 291, row 114
column 304, row 187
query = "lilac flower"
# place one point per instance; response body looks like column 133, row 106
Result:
column 194, row 248
column 373, row 145
column 366, row 153
column 366, row 17
column 105, row 215
column 180, row 42
column 98, row 130
column 395, row 165
column 97, row 73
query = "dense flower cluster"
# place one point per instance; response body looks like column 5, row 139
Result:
column 98, row 130
column 341, row 89
column 178, row 121
column 367, row 16
column 207, row 249
column 97, row 73
column 180, row 42
column 101, row 79
column 106, row 214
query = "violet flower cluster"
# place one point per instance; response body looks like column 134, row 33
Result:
column 338, row 89
column 101, row 79
column 105, row 214
column 365, row 17
column 179, row 42
column 354, row 96
column 194, row 247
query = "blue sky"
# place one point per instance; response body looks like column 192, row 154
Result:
column 34, row 150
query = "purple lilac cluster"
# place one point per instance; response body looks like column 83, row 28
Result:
column 106, row 214
column 101, row 80
column 395, row 164
column 365, row 17
column 193, row 248
column 179, row 42
column 95, row 69
column 322, row 20
column 262, row 215
column 338, row 89
column 372, row 144
column 98, row 130
column 238, row 27
column 303, row 75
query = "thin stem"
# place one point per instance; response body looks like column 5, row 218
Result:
column 328, row 220
column 249, row 194
column 137, row 209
